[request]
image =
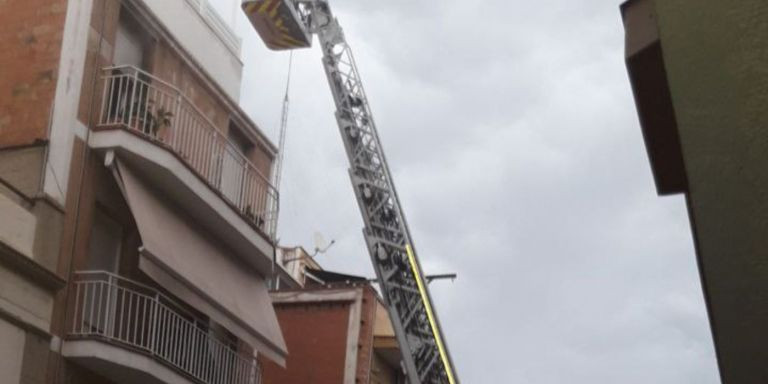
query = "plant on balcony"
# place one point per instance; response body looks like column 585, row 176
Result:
column 150, row 119
column 160, row 121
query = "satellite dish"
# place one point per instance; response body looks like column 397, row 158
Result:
column 320, row 242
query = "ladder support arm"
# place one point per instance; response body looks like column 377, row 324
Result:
column 399, row 273
column 403, row 286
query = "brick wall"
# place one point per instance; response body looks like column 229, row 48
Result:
column 316, row 335
column 365, row 341
column 30, row 47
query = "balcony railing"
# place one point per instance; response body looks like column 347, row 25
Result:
column 140, row 102
column 131, row 314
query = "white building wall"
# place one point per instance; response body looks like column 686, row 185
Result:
column 64, row 124
column 204, row 34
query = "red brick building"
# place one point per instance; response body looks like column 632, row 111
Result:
column 337, row 330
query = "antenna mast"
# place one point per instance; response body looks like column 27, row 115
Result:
column 283, row 125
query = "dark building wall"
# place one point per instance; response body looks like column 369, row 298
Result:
column 715, row 55
column 79, row 375
column 381, row 372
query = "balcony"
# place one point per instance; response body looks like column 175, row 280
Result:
column 140, row 103
column 121, row 312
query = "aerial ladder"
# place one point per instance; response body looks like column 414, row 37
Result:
column 290, row 24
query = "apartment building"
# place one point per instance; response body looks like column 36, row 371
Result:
column 700, row 81
column 137, row 218
column 335, row 325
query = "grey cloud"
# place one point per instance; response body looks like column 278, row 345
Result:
column 514, row 143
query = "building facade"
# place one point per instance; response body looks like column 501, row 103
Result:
column 338, row 331
column 137, row 218
column 292, row 266
column 700, row 81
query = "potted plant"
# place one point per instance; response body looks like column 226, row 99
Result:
column 145, row 117
column 160, row 121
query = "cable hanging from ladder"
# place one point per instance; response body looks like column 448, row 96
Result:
column 283, row 127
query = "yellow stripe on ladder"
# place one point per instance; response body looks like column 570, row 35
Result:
column 430, row 315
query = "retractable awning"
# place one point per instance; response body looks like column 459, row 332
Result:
column 200, row 270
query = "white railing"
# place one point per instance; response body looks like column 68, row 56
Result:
column 123, row 311
column 138, row 101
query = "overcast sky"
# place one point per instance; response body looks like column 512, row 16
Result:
column 515, row 147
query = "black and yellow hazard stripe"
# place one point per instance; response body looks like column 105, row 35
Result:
column 276, row 16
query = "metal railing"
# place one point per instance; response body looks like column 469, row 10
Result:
column 126, row 312
column 138, row 101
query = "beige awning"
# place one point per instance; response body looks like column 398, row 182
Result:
column 201, row 271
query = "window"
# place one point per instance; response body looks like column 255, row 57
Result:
column 104, row 249
column 238, row 140
column 130, row 42
column 128, row 99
